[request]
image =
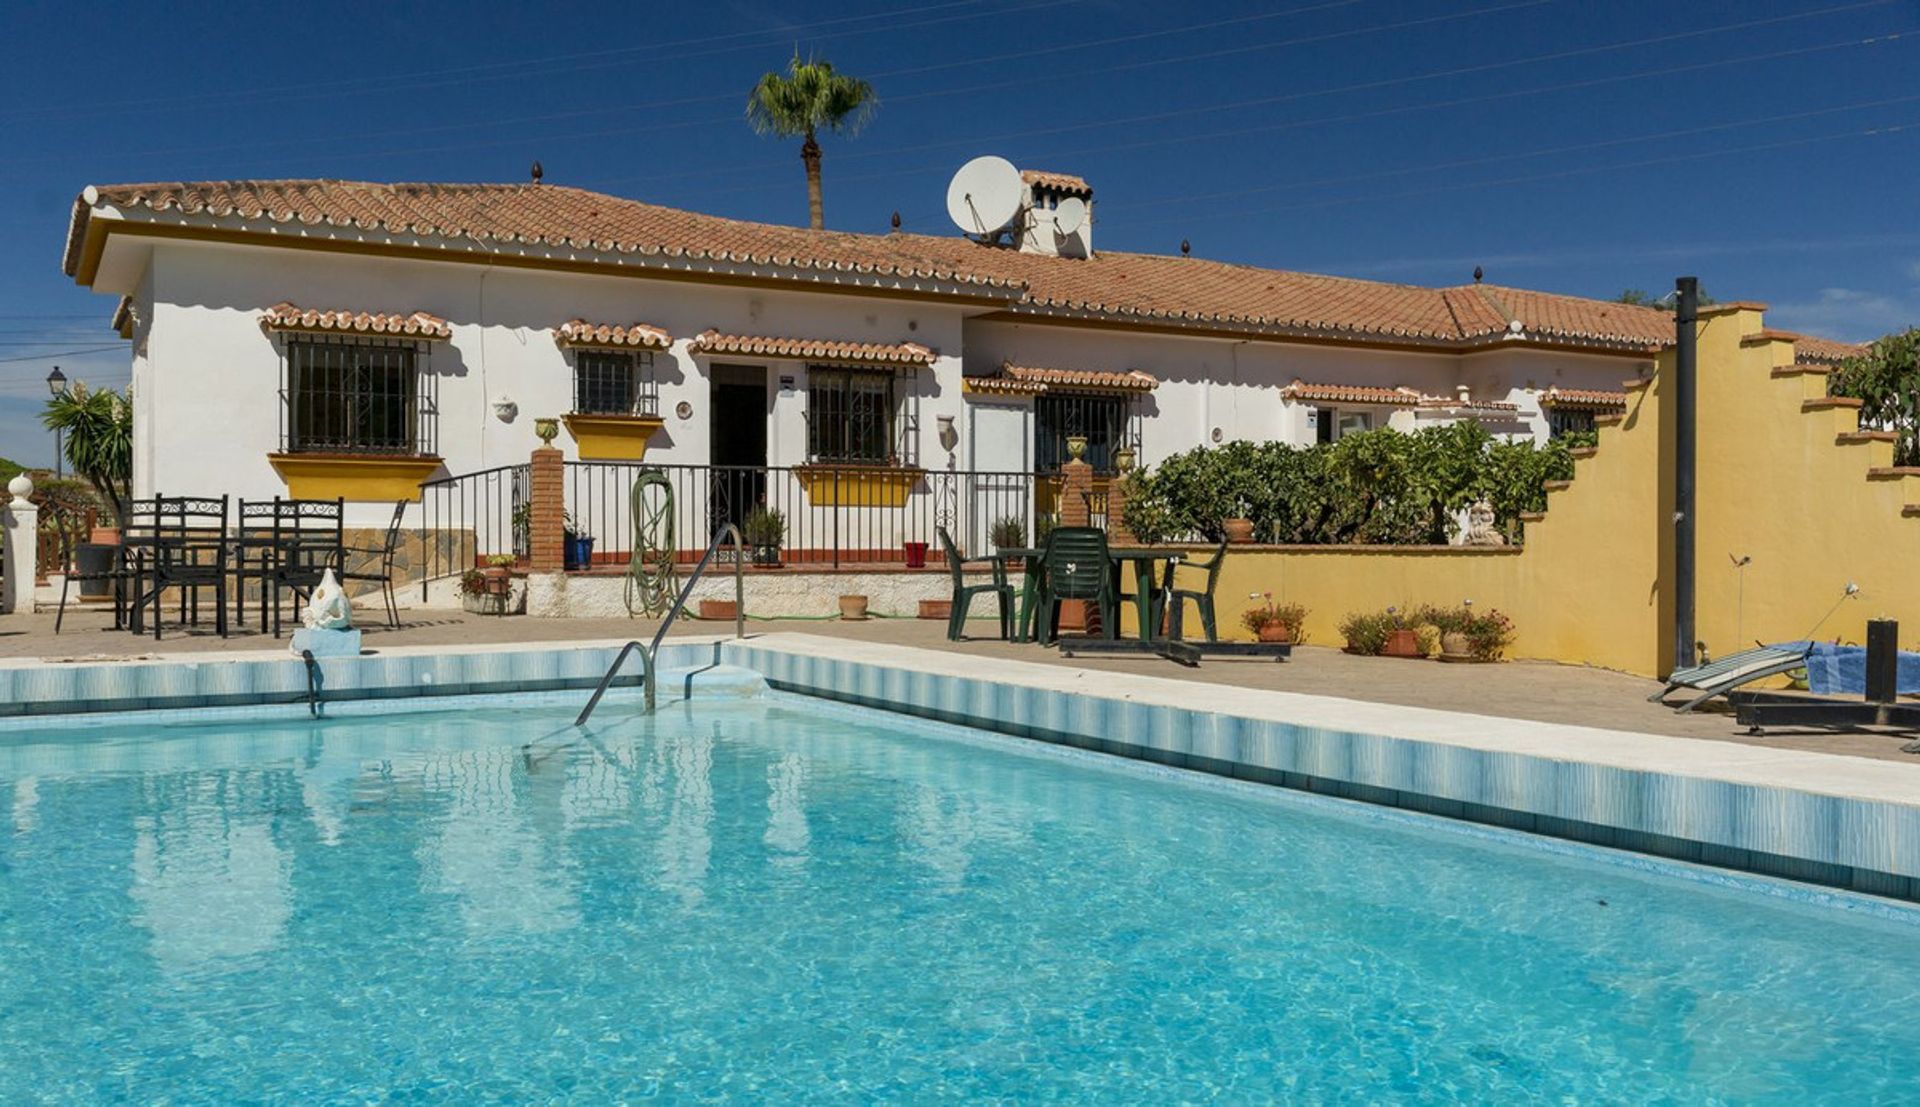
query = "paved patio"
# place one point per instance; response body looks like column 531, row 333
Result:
column 1537, row 691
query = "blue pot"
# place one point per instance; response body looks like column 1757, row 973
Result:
column 579, row 553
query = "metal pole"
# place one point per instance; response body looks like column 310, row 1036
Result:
column 1685, row 398
column 1883, row 660
column 59, row 452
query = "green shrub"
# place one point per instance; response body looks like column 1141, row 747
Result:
column 1008, row 533
column 1366, row 632
column 765, row 527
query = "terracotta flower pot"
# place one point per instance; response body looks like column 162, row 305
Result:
column 853, row 609
column 719, row 609
column 1274, row 632
column 1403, row 642
column 1239, row 531
column 936, row 609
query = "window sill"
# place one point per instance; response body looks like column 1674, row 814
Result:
column 612, row 437
column 368, row 478
column 848, row 484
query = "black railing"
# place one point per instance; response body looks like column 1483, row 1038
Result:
column 828, row 515
column 466, row 519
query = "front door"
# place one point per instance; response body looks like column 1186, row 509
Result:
column 737, row 414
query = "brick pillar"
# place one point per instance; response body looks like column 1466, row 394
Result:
column 547, row 511
column 1117, row 532
column 1076, row 510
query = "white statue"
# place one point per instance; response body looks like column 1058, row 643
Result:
column 1480, row 528
column 328, row 609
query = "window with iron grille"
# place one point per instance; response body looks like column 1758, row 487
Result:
column 850, row 415
column 1103, row 420
column 1561, row 420
column 614, row 382
column 355, row 397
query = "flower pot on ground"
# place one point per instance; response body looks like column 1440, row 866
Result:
column 94, row 560
column 764, row 531
column 853, row 609
column 1273, row 632
column 936, row 609
column 1366, row 632
column 1402, row 642
column 1274, row 623
column 579, row 552
column 916, row 554
column 1454, row 647
column 1238, row 531
column 724, row 610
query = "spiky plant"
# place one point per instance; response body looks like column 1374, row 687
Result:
column 810, row 97
column 98, row 424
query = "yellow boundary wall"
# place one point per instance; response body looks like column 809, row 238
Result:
column 1783, row 479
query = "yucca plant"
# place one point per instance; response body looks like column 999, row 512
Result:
column 98, row 424
column 807, row 98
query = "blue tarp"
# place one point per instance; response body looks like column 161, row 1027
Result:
column 1842, row 670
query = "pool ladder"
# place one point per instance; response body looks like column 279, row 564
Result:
column 650, row 651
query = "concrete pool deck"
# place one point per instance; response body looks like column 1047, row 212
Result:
column 1526, row 690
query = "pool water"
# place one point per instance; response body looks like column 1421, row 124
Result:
column 777, row 900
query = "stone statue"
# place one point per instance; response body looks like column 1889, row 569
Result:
column 328, row 609
column 1480, row 528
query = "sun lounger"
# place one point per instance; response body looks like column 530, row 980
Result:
column 1717, row 678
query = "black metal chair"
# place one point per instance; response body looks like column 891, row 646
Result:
column 286, row 545
column 1075, row 566
column 1177, row 598
column 185, row 550
column 963, row 593
column 384, row 556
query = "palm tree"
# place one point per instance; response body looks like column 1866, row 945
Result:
column 99, row 431
column 810, row 96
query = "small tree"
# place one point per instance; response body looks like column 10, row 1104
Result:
column 808, row 97
column 1886, row 379
column 98, row 424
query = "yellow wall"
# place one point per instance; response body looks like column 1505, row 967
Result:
column 1784, row 481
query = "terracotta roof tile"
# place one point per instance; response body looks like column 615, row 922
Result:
column 1351, row 394
column 896, row 354
column 579, row 332
column 284, row 316
column 1145, row 289
column 1583, row 399
column 1455, row 403
column 1058, row 182
column 1809, row 350
column 1133, row 380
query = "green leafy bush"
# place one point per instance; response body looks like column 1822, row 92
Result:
column 1887, row 382
column 1380, row 487
column 765, row 527
column 1366, row 632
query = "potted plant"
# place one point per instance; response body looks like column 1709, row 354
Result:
column 1264, row 620
column 915, row 554
column 482, row 592
column 98, row 428
column 1009, row 533
column 1238, row 527
column 578, row 551
column 764, row 530
column 1366, row 633
column 1292, row 617
column 853, row 608
column 1489, row 635
column 1402, row 641
column 1451, row 624
column 499, row 567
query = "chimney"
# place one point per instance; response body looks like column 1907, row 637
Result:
column 1056, row 215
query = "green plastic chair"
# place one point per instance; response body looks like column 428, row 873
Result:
column 1075, row 566
column 963, row 593
column 1202, row 599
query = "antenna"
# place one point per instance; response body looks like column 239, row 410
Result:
column 984, row 196
column 1070, row 215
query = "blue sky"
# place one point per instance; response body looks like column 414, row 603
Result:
column 1772, row 148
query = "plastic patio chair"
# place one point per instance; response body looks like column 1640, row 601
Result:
column 1075, row 566
column 1717, row 678
column 963, row 593
column 1176, row 598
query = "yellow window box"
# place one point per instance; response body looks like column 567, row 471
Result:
column 357, row 477
column 612, row 437
column 858, row 485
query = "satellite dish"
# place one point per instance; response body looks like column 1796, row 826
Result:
column 984, row 196
column 1070, row 216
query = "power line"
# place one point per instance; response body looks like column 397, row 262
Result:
column 61, row 353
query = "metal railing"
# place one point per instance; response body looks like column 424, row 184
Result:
column 466, row 519
column 649, row 657
column 827, row 515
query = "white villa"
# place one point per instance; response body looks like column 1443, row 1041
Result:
column 327, row 338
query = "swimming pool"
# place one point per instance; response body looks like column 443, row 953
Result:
column 775, row 898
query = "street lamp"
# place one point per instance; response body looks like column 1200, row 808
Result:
column 56, row 384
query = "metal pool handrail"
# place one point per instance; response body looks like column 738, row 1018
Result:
column 650, row 652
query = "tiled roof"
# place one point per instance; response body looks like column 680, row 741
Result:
column 1133, row 380
column 1455, row 403
column 1351, row 394
column 1058, row 182
column 1809, row 350
column 814, row 349
column 417, row 324
column 122, row 323
column 1583, row 399
column 1163, row 292
column 579, row 332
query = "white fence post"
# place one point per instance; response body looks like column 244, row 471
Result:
column 20, row 531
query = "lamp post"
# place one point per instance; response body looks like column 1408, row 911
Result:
column 56, row 384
